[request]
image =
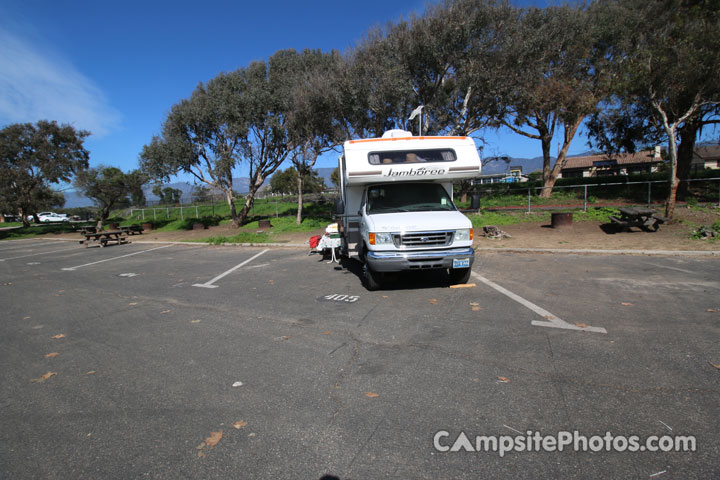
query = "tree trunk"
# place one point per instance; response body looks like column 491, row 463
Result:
column 549, row 182
column 545, row 193
column 685, row 152
column 298, row 221
column 250, row 199
column 231, row 203
column 674, row 182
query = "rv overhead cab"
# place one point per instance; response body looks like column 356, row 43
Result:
column 396, row 205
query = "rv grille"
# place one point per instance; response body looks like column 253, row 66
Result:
column 423, row 239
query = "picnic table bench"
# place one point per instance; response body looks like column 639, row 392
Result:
column 641, row 217
column 132, row 229
column 102, row 238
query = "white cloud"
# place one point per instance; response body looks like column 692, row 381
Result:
column 36, row 84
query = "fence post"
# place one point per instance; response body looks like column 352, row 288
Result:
column 167, row 213
column 182, row 217
column 154, row 214
column 196, row 212
column 649, row 193
column 585, row 203
column 528, row 201
column 143, row 210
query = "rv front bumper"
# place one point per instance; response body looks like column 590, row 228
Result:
column 427, row 259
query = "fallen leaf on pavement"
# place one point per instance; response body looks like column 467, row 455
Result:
column 476, row 308
column 194, row 321
column 627, row 304
column 51, row 355
column 503, row 379
column 132, row 304
column 59, row 335
column 26, row 318
column 548, row 317
column 715, row 365
column 213, row 439
column 327, row 333
column 581, row 325
column 240, row 424
column 711, row 310
column 384, row 296
column 433, row 301
column 44, row 377
column 91, row 372
column 166, row 311
column 371, row 395
column 286, row 337
column 464, row 285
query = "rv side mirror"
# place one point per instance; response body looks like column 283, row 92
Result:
column 339, row 207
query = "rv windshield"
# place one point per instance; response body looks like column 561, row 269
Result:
column 408, row 197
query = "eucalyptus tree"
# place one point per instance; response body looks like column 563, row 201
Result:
column 669, row 53
column 204, row 136
column 372, row 91
column 556, row 73
column 108, row 188
column 313, row 125
column 450, row 55
column 33, row 157
column 284, row 119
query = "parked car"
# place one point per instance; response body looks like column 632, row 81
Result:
column 50, row 217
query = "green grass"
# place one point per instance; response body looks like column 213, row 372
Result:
column 243, row 237
column 598, row 214
column 11, row 224
column 288, row 224
column 34, row 231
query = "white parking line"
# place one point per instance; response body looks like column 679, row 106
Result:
column 40, row 253
column 114, row 258
column 210, row 283
column 551, row 320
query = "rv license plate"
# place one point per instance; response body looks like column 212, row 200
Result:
column 461, row 263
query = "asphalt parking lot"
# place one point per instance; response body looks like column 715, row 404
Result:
column 305, row 373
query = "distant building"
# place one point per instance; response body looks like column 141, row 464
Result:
column 646, row 161
column 706, row 158
column 515, row 175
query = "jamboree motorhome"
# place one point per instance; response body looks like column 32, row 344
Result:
column 396, row 207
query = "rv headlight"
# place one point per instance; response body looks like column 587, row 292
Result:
column 464, row 235
column 380, row 238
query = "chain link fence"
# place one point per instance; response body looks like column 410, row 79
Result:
column 516, row 196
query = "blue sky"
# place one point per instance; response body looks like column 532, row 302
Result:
column 116, row 68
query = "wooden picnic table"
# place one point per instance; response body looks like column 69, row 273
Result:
column 642, row 217
column 102, row 238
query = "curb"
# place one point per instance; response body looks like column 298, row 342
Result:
column 567, row 251
column 572, row 251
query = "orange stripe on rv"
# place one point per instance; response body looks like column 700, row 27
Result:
column 368, row 140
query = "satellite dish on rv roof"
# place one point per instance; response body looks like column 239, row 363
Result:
column 396, row 133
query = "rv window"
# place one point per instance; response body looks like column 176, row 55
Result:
column 412, row 156
column 408, row 197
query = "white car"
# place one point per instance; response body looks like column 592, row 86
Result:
column 50, row 217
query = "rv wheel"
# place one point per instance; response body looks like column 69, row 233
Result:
column 372, row 279
column 459, row 276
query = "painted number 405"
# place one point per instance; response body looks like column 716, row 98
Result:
column 342, row 298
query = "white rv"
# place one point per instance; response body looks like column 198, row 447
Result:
column 396, row 209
